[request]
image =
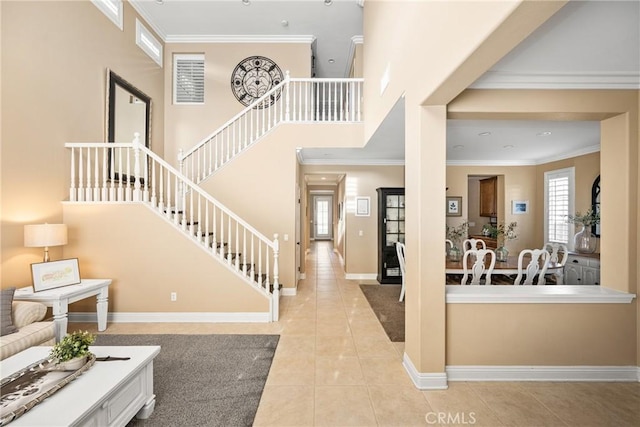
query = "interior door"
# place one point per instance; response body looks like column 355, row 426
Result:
column 323, row 217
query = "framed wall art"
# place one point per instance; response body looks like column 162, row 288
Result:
column 519, row 207
column 454, row 206
column 363, row 206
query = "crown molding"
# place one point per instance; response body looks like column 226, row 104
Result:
column 541, row 161
column 352, row 162
column 212, row 38
column 582, row 80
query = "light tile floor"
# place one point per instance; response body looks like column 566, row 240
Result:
column 335, row 366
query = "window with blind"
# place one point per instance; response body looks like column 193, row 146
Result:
column 559, row 196
column 188, row 79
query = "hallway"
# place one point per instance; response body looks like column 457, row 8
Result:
column 335, row 366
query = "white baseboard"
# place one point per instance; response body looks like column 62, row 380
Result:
column 425, row 381
column 365, row 276
column 543, row 373
column 174, row 317
column 289, row 292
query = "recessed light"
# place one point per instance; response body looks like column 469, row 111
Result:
column 284, row 23
column 323, row 178
column 508, row 147
column 160, row 1
column 484, row 134
column 328, row 2
column 545, row 133
column 331, row 60
column 458, row 147
column 246, row 2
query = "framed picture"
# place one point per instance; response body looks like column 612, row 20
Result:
column 362, row 206
column 454, row 206
column 519, row 207
column 55, row 274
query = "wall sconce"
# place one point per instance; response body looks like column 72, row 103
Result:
column 45, row 235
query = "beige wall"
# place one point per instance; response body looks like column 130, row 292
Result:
column 54, row 61
column 187, row 125
column 260, row 184
column 147, row 258
column 541, row 334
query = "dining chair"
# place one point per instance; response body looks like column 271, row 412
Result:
column 450, row 245
column 479, row 267
column 533, row 269
column 558, row 253
column 400, row 251
column 473, row 244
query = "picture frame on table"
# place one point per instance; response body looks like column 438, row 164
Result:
column 519, row 207
column 55, row 274
column 454, row 206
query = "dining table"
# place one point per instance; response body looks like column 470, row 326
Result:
column 507, row 268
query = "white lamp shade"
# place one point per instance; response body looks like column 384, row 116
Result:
column 43, row 235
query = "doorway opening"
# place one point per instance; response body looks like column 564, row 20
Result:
column 323, row 217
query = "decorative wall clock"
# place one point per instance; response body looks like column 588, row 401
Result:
column 253, row 77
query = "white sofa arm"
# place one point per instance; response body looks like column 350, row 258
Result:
column 24, row 313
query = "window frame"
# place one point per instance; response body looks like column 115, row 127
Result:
column 116, row 16
column 548, row 175
column 143, row 32
column 174, row 80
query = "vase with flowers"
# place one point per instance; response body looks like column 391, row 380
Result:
column 503, row 233
column 455, row 233
column 584, row 241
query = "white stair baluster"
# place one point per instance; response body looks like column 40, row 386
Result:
column 215, row 228
column 170, row 206
column 199, row 230
column 221, row 234
column 206, row 224
column 72, row 187
column 96, row 178
column 178, row 200
column 276, row 268
column 229, row 239
column 105, row 178
column 237, row 260
column 81, row 191
column 244, row 251
column 253, row 259
column 287, row 107
column 136, row 168
column 259, row 278
column 153, row 185
column 88, row 188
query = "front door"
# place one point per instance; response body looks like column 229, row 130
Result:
column 323, row 217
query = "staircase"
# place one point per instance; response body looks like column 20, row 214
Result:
column 130, row 172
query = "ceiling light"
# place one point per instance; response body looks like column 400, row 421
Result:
column 160, row 1
column 484, row 134
column 508, row 147
column 331, row 60
column 458, row 147
column 246, row 2
column 328, row 2
column 545, row 133
column 323, row 178
column 284, row 23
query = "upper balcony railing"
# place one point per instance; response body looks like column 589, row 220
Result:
column 292, row 101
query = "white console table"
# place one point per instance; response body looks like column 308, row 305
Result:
column 60, row 298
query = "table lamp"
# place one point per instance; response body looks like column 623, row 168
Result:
column 45, row 235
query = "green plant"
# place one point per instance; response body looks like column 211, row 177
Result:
column 75, row 344
column 455, row 233
column 589, row 218
column 507, row 232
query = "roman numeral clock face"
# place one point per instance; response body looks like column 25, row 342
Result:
column 253, row 77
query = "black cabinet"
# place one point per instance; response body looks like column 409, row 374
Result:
column 390, row 231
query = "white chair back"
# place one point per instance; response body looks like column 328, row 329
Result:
column 400, row 252
column 558, row 252
column 450, row 245
column 473, row 244
column 479, row 266
column 533, row 268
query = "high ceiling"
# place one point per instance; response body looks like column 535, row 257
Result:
column 586, row 45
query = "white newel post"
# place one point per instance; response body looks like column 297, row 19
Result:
column 287, row 108
column 137, row 195
column 275, row 296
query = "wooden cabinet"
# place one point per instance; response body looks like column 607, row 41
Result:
column 390, row 231
column 582, row 269
column 489, row 196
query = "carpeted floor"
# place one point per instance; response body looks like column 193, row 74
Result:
column 383, row 299
column 205, row 380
